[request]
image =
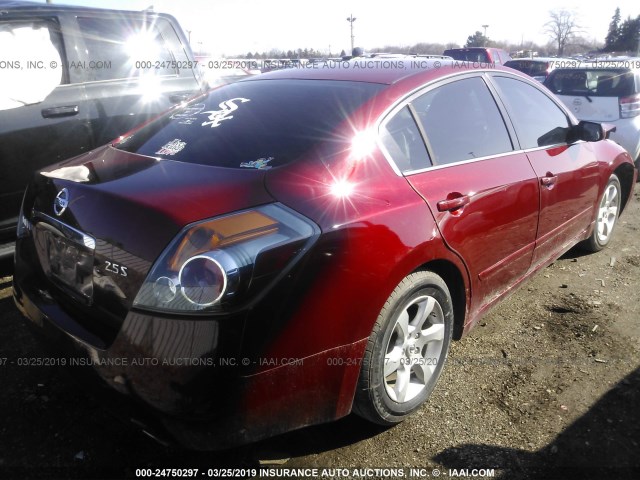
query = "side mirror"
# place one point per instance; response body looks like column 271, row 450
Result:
column 590, row 132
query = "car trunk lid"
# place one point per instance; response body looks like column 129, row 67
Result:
column 100, row 221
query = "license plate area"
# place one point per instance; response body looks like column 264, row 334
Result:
column 67, row 257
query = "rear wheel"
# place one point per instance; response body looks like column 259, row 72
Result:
column 606, row 216
column 406, row 351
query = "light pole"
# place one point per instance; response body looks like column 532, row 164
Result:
column 485, row 33
column 351, row 19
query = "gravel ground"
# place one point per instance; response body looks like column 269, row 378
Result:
column 547, row 386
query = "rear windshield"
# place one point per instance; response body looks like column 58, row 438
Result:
column 596, row 82
column 254, row 124
column 479, row 55
column 527, row 66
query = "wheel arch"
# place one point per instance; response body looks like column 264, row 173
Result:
column 624, row 173
column 457, row 288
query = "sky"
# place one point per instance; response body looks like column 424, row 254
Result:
column 239, row 26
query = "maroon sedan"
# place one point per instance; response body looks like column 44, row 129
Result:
column 307, row 243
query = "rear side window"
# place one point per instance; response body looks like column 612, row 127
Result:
column 403, row 141
column 124, row 48
column 256, row 124
column 537, row 119
column 597, row 82
column 462, row 122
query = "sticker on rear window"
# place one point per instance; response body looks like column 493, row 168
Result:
column 187, row 115
column 226, row 108
column 173, row 147
column 260, row 164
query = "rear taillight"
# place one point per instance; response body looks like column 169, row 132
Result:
column 221, row 263
column 630, row 106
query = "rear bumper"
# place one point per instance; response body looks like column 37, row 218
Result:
column 184, row 380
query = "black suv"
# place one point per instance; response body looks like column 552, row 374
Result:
column 76, row 78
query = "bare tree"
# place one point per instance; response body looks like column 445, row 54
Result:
column 561, row 26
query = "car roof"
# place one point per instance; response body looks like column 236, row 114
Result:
column 26, row 6
column 386, row 71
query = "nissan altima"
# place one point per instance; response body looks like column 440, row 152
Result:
column 306, row 243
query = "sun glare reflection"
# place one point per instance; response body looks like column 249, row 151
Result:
column 363, row 144
column 142, row 46
column 150, row 87
column 341, row 188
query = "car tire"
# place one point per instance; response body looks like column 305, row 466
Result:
column 406, row 351
column 606, row 216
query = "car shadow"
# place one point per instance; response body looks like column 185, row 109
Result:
column 317, row 439
column 575, row 252
column 6, row 268
column 603, row 443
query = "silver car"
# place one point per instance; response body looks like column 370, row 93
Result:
column 605, row 91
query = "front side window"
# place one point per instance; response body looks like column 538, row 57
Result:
column 462, row 122
column 538, row 121
column 256, row 124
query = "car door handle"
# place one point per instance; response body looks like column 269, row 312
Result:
column 453, row 204
column 55, row 112
column 549, row 181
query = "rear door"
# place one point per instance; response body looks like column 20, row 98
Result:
column 483, row 193
column 42, row 115
column 135, row 67
column 567, row 173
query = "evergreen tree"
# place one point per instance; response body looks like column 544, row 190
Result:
column 477, row 40
column 629, row 35
column 613, row 36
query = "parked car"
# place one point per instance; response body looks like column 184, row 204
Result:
column 306, row 243
column 75, row 78
column 538, row 67
column 220, row 71
column 604, row 91
column 479, row 55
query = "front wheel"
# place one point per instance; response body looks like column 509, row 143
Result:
column 606, row 216
column 406, row 351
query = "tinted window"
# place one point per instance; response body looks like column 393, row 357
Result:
column 472, row 55
column 597, row 82
column 537, row 119
column 403, row 141
column 127, row 48
column 462, row 121
column 529, row 67
column 254, row 124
